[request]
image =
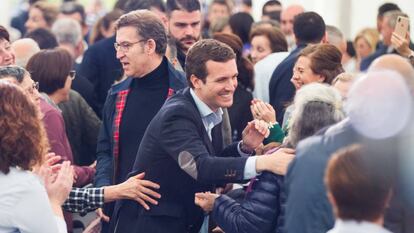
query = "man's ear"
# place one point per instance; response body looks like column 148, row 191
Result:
column 325, row 39
column 150, row 46
column 333, row 202
column 195, row 81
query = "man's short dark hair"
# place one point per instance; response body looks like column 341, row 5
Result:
column 184, row 5
column 247, row 3
column 309, row 27
column 44, row 38
column 4, row 34
column 384, row 8
column 360, row 180
column 270, row 3
column 68, row 8
column 132, row 5
column 221, row 2
column 203, row 51
column 148, row 26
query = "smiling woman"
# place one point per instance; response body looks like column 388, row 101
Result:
column 317, row 63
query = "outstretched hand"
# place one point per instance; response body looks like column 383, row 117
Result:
column 135, row 188
column 205, row 200
column 254, row 134
column 277, row 162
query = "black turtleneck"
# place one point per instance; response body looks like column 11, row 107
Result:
column 146, row 96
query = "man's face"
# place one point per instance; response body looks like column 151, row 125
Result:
column 7, row 56
column 386, row 31
column 286, row 22
column 131, row 51
column 220, row 84
column 185, row 28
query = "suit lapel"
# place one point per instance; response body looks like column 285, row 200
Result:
column 200, row 125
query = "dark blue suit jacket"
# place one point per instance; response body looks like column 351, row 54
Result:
column 177, row 153
column 281, row 90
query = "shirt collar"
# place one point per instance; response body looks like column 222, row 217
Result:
column 205, row 110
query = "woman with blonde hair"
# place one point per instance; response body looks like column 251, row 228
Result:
column 365, row 44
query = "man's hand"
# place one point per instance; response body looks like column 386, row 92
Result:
column 254, row 134
column 135, row 188
column 205, row 200
column 401, row 44
column 102, row 215
column 276, row 162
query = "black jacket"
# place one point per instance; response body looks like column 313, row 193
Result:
column 260, row 212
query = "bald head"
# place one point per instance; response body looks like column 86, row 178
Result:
column 24, row 49
column 395, row 63
column 287, row 16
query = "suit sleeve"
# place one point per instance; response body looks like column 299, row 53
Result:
column 180, row 138
column 104, row 161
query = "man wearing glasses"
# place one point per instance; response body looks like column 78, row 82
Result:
column 140, row 46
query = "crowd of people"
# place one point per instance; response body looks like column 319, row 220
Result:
column 181, row 116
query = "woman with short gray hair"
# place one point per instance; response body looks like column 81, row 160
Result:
column 315, row 107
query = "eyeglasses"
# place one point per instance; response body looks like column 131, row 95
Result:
column 35, row 86
column 72, row 74
column 125, row 46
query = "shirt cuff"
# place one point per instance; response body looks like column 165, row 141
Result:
column 241, row 153
column 250, row 168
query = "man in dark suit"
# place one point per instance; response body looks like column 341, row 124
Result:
column 307, row 207
column 141, row 42
column 100, row 65
column 309, row 28
column 387, row 28
column 177, row 152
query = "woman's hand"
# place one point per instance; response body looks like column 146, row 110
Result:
column 263, row 111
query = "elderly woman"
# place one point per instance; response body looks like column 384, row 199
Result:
column 24, row 202
column 52, row 69
column 316, row 106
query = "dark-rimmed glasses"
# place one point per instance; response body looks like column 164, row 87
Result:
column 125, row 46
column 72, row 74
